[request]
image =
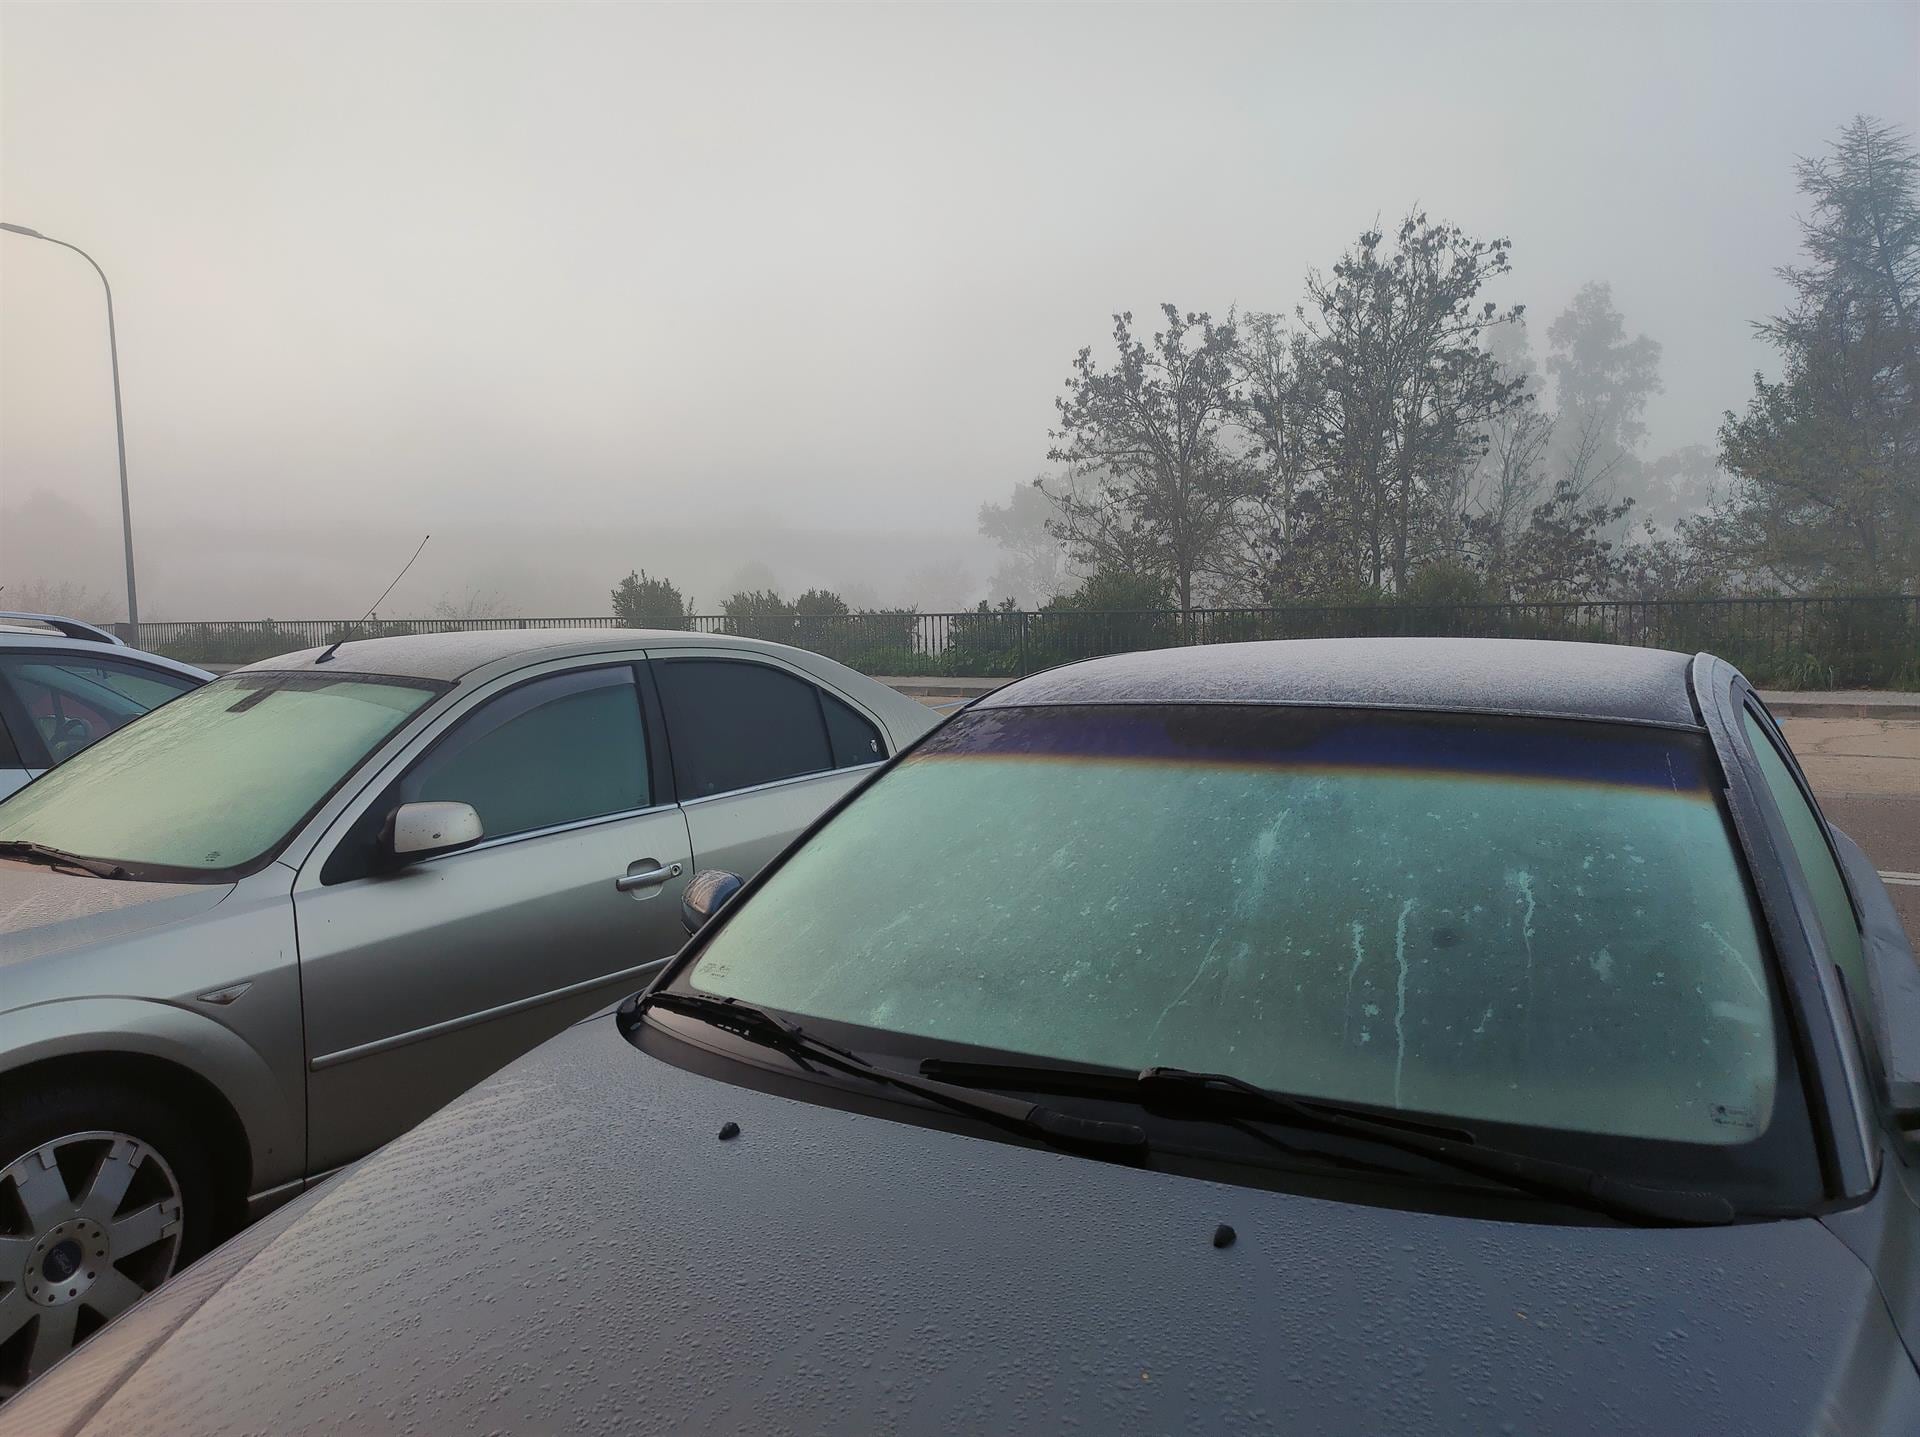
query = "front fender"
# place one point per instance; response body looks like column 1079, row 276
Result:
column 71, row 1027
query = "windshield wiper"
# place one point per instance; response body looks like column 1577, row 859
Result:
column 759, row 1026
column 59, row 858
column 1221, row 1097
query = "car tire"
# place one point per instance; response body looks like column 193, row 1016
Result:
column 105, row 1192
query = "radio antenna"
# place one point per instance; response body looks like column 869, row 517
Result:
column 396, row 579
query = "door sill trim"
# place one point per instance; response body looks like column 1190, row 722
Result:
column 262, row 1203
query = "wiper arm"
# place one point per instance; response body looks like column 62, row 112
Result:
column 59, row 858
column 1225, row 1098
column 759, row 1026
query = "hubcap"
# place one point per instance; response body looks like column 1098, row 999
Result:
column 89, row 1224
column 65, row 1261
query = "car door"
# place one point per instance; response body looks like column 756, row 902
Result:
column 54, row 704
column 420, row 982
column 759, row 752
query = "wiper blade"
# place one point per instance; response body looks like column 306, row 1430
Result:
column 1224, row 1098
column 759, row 1026
column 59, row 858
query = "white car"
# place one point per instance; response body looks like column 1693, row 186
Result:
column 64, row 684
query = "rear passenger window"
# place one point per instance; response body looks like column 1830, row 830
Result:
column 855, row 741
column 1808, row 836
column 733, row 725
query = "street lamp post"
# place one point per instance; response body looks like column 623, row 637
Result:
column 119, row 424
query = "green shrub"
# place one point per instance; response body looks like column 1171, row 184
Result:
column 642, row 602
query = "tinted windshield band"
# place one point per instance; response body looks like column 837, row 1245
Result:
column 1248, row 735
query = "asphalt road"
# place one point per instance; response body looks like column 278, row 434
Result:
column 1867, row 774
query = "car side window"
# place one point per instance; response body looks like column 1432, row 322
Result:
column 1833, row 910
column 552, row 751
column 734, row 724
column 74, row 700
column 855, row 741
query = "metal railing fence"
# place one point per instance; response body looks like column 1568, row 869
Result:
column 1867, row 641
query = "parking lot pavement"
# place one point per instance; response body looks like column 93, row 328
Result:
column 1867, row 774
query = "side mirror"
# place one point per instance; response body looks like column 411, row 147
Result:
column 424, row 830
column 1895, row 982
column 706, row 894
column 1893, row 979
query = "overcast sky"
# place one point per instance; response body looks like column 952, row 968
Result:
column 617, row 274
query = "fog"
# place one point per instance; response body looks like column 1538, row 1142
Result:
column 783, row 295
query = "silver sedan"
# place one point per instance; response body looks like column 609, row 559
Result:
column 257, row 933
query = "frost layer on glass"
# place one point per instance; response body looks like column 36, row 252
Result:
column 1526, row 922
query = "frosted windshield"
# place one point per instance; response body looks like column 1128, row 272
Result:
column 217, row 778
column 1539, row 923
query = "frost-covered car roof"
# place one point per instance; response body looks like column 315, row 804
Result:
column 450, row 656
column 478, row 655
column 1508, row 676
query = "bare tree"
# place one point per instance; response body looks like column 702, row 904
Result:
column 1511, row 476
column 1592, row 461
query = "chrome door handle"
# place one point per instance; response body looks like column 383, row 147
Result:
column 646, row 878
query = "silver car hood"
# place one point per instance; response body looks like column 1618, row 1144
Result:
column 570, row 1248
column 46, row 910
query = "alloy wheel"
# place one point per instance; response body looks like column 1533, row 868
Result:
column 90, row 1223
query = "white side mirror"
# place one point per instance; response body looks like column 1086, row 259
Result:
column 421, row 830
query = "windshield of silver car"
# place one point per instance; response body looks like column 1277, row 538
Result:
column 1540, row 923
column 218, row 779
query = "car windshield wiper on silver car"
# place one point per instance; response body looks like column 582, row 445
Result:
column 28, row 852
column 1221, row 1097
column 759, row 1026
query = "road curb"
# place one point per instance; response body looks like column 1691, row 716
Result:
column 920, row 688
column 1787, row 704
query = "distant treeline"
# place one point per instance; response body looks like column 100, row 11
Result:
column 1391, row 435
column 1390, row 440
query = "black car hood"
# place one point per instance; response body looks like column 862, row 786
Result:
column 569, row 1248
